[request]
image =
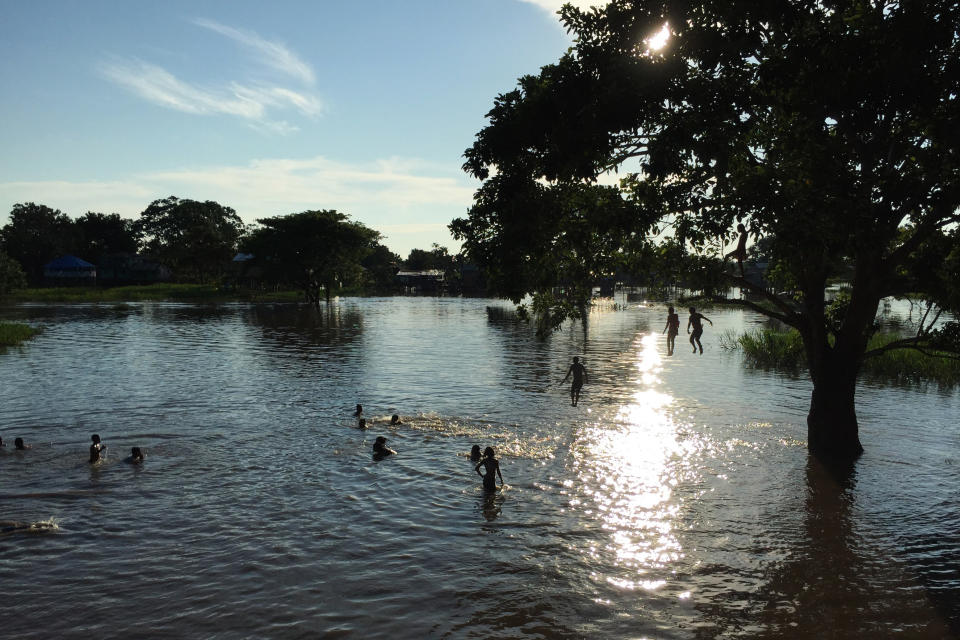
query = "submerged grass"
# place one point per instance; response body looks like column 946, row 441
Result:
column 155, row 292
column 14, row 333
column 779, row 349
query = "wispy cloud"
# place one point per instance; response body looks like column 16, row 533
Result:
column 409, row 201
column 253, row 102
column 553, row 6
column 273, row 54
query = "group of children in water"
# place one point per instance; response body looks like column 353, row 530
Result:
column 488, row 460
column 672, row 328
column 97, row 450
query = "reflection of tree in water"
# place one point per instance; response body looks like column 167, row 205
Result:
column 306, row 325
column 530, row 359
column 837, row 584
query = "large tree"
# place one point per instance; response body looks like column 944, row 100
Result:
column 99, row 234
column 317, row 251
column 827, row 126
column 35, row 235
column 195, row 239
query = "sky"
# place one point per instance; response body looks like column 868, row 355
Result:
column 363, row 106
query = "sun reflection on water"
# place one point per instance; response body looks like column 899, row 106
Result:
column 628, row 469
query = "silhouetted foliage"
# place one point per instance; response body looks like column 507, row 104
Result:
column 195, row 239
column 99, row 234
column 827, row 127
column 381, row 267
column 313, row 250
column 35, row 235
column 11, row 274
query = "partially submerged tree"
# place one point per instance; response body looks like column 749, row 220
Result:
column 828, row 126
column 195, row 239
column 317, row 251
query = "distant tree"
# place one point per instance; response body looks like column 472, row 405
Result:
column 195, row 239
column 421, row 260
column 381, row 266
column 35, row 235
column 101, row 234
column 317, row 251
column 829, row 127
column 11, row 274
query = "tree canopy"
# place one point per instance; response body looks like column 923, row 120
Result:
column 99, row 234
column 193, row 238
column 35, row 235
column 828, row 127
column 313, row 250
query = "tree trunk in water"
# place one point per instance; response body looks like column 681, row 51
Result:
column 832, row 430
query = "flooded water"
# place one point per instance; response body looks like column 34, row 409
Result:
column 676, row 501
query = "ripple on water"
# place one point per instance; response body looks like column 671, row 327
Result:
column 676, row 501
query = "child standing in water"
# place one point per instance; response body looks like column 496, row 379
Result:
column 673, row 325
column 491, row 466
column 579, row 373
column 695, row 320
column 96, row 449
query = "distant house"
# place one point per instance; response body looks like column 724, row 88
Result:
column 428, row 281
column 70, row 271
column 128, row 269
column 243, row 272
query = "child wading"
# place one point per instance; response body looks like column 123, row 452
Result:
column 490, row 464
column 672, row 328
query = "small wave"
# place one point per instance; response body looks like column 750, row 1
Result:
column 40, row 526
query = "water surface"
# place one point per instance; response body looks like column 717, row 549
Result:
column 677, row 501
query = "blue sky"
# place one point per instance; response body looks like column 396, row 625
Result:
column 270, row 108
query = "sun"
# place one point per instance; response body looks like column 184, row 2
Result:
column 658, row 40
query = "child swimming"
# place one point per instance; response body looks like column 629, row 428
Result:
column 380, row 448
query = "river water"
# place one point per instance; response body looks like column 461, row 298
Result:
column 676, row 501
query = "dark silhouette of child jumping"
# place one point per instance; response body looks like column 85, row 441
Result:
column 695, row 321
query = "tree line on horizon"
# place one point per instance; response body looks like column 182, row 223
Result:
column 315, row 251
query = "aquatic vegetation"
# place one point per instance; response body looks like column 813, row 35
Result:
column 779, row 349
column 14, row 333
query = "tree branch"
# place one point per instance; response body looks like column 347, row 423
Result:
column 916, row 344
column 788, row 314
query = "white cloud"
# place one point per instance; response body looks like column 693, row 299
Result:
column 409, row 201
column 252, row 102
column 272, row 54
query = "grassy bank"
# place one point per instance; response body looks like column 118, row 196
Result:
column 156, row 292
column 784, row 350
column 12, row 334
